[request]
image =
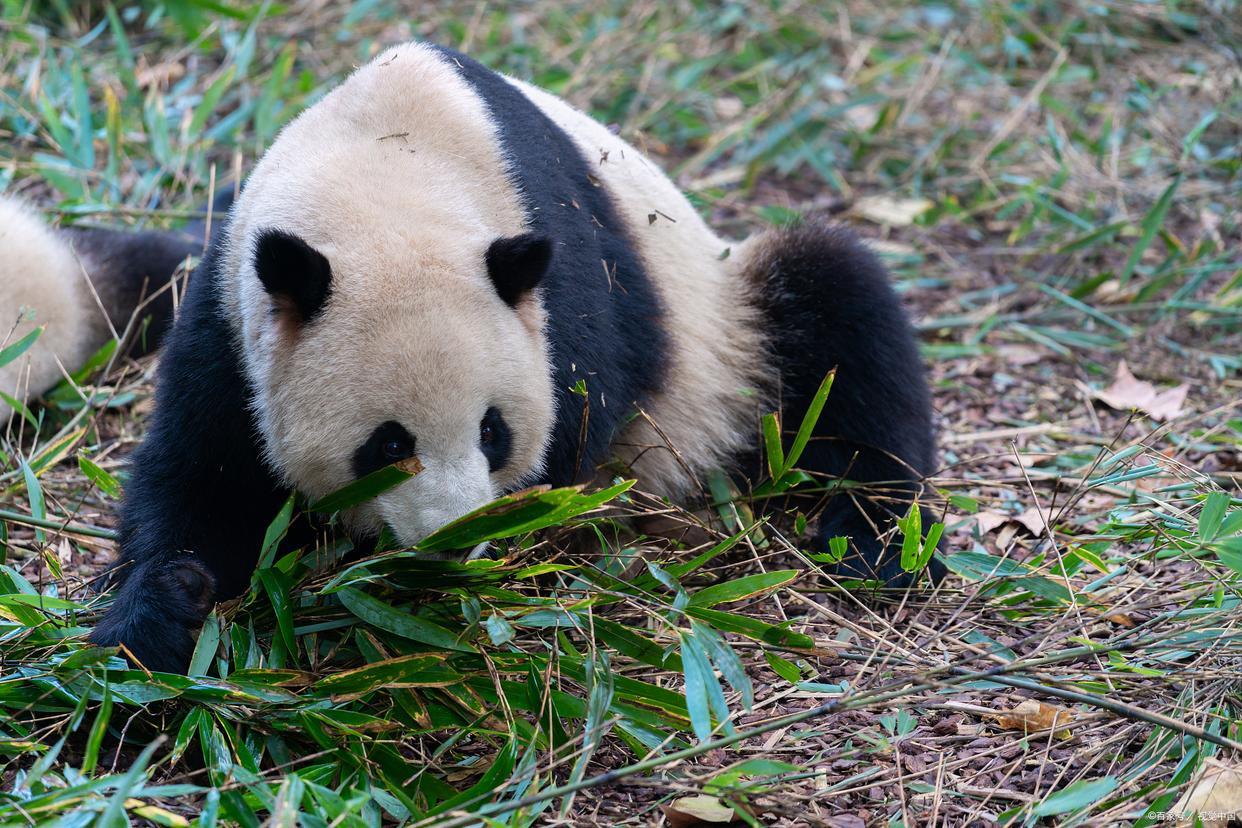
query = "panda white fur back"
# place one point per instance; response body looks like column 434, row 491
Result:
column 432, row 262
column 83, row 286
column 42, row 284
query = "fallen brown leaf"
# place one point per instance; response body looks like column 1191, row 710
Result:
column 1031, row 715
column 1127, row 392
column 692, row 811
column 989, row 520
column 1215, row 797
column 1034, row 520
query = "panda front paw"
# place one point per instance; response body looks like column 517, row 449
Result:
column 156, row 611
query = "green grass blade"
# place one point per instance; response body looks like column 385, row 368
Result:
column 1152, row 222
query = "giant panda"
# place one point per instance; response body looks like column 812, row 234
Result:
column 81, row 286
column 433, row 261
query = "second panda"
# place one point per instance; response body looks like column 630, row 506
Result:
column 425, row 264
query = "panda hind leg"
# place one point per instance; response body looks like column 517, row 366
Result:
column 828, row 303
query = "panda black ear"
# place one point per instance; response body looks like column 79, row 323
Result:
column 296, row 275
column 517, row 263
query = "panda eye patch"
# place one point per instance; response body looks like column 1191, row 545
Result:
column 389, row 443
column 495, row 439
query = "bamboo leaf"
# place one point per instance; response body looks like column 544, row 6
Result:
column 1151, row 223
column 809, row 421
column 772, row 445
column 21, row 346
column 745, row 587
column 101, row 478
column 387, row 617
column 1075, row 796
column 1212, row 516
column 361, row 490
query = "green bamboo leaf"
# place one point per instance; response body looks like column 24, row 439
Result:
column 101, row 478
column 1076, row 796
column 518, row 514
column 1212, row 515
column 497, row 775
column 726, row 661
column 704, row 698
column 114, row 815
column 276, row 585
column 206, row 646
column 54, row 452
column 211, row 99
column 387, row 617
column 752, row 768
column 783, row 667
column 13, row 351
column 185, row 733
column 84, row 151
column 418, row 670
column 628, row 642
column 746, row 587
column 911, row 528
column 751, row 628
column 20, row 407
column 930, row 543
column 499, row 630
column 98, row 728
column 809, row 420
column 772, row 445
column 599, row 691
column 1232, row 525
column 1151, row 224
column 681, row 570
column 34, row 493
column 1230, row 553
column 361, row 490
column 275, row 532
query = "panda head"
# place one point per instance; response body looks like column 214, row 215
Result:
column 382, row 349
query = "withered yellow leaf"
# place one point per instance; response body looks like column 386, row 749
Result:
column 1032, row 715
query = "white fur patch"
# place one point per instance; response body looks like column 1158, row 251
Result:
column 42, row 283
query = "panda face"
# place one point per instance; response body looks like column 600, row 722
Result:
column 367, row 359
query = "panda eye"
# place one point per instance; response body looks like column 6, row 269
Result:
column 389, row 443
column 396, row 450
column 495, row 440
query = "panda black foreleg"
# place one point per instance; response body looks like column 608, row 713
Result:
column 199, row 498
column 829, row 304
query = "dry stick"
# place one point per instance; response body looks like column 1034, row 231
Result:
column 1126, row 711
column 58, row 525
